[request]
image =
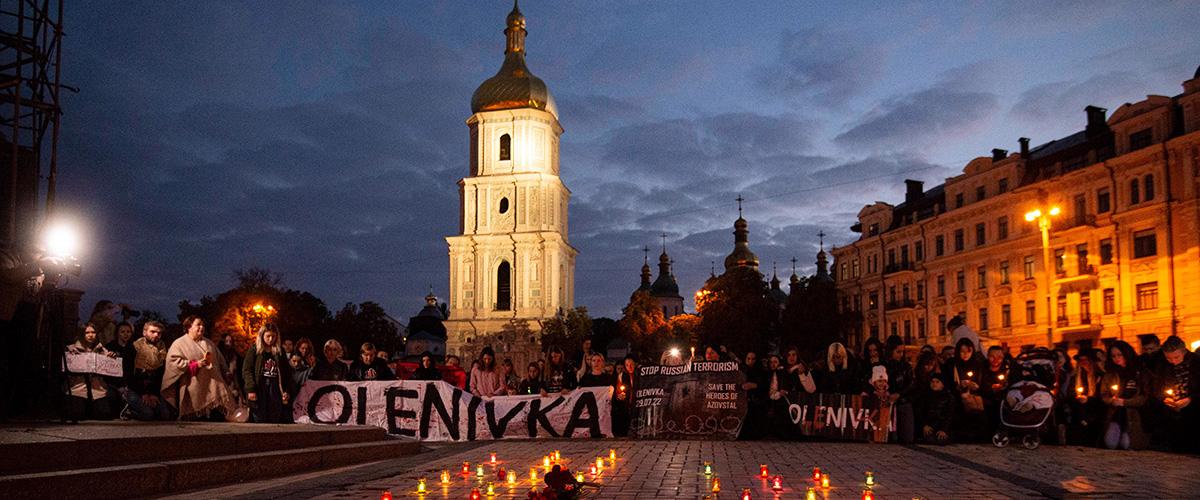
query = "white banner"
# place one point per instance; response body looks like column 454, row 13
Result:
column 90, row 362
column 437, row 411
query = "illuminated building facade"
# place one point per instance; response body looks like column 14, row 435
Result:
column 511, row 264
column 1124, row 247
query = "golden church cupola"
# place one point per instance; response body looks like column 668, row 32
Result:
column 514, row 87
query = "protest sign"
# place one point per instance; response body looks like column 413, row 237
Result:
column 841, row 416
column 91, row 362
column 701, row 400
column 438, row 411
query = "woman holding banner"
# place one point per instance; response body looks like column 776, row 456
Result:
column 559, row 376
column 87, row 391
column 486, row 381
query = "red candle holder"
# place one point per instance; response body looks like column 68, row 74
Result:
column 777, row 483
column 763, row 472
column 816, row 473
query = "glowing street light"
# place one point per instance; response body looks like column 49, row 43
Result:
column 1044, row 225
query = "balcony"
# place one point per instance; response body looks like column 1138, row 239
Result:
column 1064, row 322
column 898, row 267
column 900, row 304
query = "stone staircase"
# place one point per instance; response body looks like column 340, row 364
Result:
column 103, row 460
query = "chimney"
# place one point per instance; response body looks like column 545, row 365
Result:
column 1024, row 147
column 999, row 154
column 1095, row 120
column 916, row 190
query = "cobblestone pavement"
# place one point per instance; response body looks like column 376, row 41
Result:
column 674, row 469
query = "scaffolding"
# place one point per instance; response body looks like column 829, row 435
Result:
column 30, row 48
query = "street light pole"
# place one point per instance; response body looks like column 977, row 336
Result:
column 1043, row 221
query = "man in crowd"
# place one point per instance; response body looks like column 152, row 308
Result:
column 145, row 383
column 367, row 367
column 1177, row 379
column 1151, row 356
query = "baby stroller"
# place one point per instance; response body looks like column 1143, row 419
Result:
column 1028, row 404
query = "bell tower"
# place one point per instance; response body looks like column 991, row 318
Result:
column 511, row 259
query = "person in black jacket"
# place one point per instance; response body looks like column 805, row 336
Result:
column 331, row 366
column 938, row 413
column 900, row 387
column 839, row 375
column 427, row 370
column 595, row 376
column 1177, row 380
column 123, row 347
column 367, row 367
column 533, row 383
column 267, row 377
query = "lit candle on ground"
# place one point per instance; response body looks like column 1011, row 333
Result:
column 579, row 477
column 533, row 473
column 445, row 476
column 716, row 485
column 612, row 454
column 594, row 469
column 557, row 455
column 777, row 483
column 466, row 468
column 816, row 473
column 491, row 488
column 763, row 471
column 870, row 479
column 707, row 468
column 493, row 458
column 479, row 470
column 387, row 495
column 824, row 480
column 546, row 461
column 421, row 485
column 746, row 494
column 512, row 477
column 867, row 495
column 599, row 462
column 812, row 494
column 475, row 494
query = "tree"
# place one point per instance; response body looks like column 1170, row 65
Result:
column 812, row 319
column 366, row 322
column 735, row 311
column 566, row 331
column 642, row 323
column 258, row 297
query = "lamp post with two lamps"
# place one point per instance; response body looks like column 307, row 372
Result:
column 1043, row 221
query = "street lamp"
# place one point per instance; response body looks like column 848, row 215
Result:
column 1044, row 224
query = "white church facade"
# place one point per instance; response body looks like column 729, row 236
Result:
column 511, row 265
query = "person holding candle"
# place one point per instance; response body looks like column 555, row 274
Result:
column 1177, row 380
column 1124, row 391
column 993, row 386
column 623, row 398
column 1084, row 409
column 532, row 383
column 194, row 379
column 965, row 374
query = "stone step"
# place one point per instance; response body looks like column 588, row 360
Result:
column 83, row 446
column 174, row 476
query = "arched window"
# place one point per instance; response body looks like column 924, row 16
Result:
column 503, row 287
column 1149, row 187
column 505, row 147
column 1134, row 192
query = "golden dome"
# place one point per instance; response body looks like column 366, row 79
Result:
column 514, row 87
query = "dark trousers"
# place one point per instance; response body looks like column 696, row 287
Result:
column 88, row 409
column 269, row 407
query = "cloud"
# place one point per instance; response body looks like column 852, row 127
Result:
column 920, row 119
column 827, row 65
column 1064, row 101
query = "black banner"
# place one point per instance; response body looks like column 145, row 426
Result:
column 839, row 416
column 703, row 400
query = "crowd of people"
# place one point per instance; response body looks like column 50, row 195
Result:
column 1112, row 397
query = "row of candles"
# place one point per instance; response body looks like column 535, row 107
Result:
column 509, row 476
column 776, row 481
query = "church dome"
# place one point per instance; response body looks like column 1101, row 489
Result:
column 665, row 285
column 741, row 256
column 514, row 87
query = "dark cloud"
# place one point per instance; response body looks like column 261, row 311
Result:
column 824, row 64
column 1063, row 102
column 918, row 120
